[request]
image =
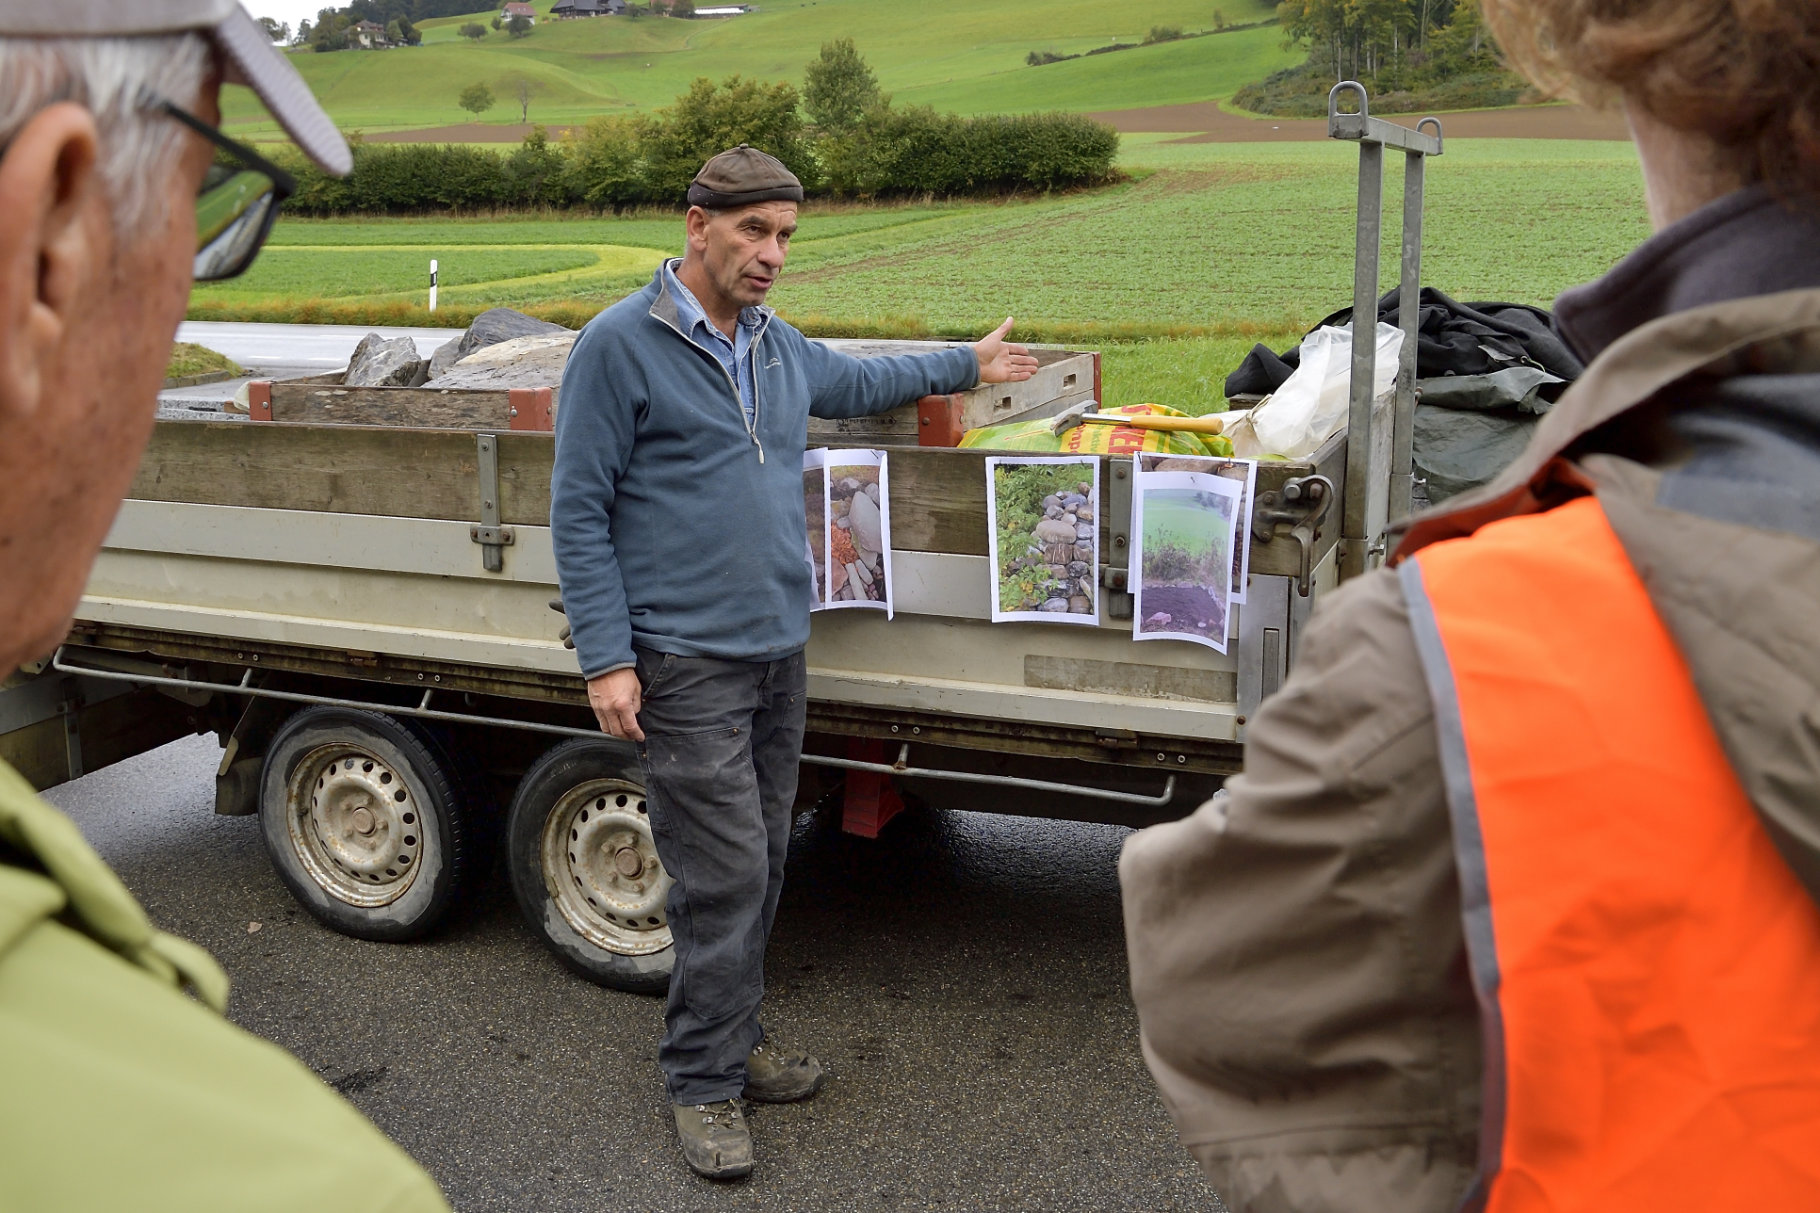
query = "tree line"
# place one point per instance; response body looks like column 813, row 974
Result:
column 1355, row 38
column 840, row 135
column 1409, row 54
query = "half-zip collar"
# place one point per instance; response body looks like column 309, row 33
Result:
column 664, row 310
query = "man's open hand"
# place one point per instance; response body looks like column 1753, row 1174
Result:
column 615, row 699
column 1002, row 361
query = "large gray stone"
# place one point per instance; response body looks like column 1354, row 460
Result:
column 381, row 363
column 447, row 355
column 535, row 361
column 501, row 324
column 868, row 526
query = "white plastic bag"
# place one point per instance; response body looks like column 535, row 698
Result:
column 1311, row 405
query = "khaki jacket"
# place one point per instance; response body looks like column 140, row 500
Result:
column 1296, row 949
column 119, row 1090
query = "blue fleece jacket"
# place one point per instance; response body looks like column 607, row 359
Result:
column 678, row 526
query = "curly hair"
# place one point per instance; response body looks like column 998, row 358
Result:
column 1745, row 74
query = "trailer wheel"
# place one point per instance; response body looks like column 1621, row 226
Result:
column 362, row 819
column 585, row 868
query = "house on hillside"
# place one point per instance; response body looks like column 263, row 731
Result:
column 516, row 8
column 724, row 10
column 370, row 35
column 588, row 8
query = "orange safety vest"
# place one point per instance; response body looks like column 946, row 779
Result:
column 1647, row 966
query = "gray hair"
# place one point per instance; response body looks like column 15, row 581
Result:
column 110, row 77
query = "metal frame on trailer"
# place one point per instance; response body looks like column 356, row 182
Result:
column 1367, row 514
column 423, row 710
column 1380, row 467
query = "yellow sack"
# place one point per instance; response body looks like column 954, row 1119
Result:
column 1099, row 438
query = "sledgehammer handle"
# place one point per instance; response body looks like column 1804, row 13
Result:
column 1145, row 421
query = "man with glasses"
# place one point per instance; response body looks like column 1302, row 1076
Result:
column 121, row 1087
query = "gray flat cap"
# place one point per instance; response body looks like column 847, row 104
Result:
column 742, row 176
column 247, row 54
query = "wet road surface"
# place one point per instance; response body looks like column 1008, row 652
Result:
column 962, row 977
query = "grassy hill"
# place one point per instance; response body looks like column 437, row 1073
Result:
column 966, row 56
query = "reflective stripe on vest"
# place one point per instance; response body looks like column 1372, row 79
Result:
column 1648, row 968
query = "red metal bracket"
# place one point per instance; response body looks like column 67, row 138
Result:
column 259, row 400
column 531, row 408
column 938, row 421
column 871, row 797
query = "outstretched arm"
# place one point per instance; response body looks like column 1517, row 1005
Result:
column 845, row 386
column 1003, row 361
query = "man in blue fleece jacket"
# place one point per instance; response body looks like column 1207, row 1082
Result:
column 677, row 513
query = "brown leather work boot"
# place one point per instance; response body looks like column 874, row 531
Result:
column 715, row 1140
column 779, row 1075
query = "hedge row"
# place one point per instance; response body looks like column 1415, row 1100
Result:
column 622, row 162
column 574, row 313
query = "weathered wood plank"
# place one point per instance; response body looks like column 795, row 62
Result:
column 416, row 407
column 411, row 473
column 899, row 427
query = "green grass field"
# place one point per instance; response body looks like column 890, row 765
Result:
column 1210, row 248
column 1184, row 541
column 961, row 55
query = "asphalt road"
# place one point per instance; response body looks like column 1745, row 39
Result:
column 310, row 348
column 273, row 351
column 962, row 977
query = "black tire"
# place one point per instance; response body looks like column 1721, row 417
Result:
column 577, row 824
column 380, row 848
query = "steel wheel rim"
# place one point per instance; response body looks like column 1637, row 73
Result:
column 601, row 869
column 355, row 824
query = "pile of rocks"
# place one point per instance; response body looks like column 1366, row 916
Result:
column 856, row 540
column 503, row 348
column 1061, row 548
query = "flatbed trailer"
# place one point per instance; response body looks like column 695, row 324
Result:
column 363, row 615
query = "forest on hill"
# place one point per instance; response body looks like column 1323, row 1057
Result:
column 1409, row 54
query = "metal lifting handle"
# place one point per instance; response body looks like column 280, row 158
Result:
column 1367, row 512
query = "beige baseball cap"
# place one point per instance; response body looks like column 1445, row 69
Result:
column 248, row 55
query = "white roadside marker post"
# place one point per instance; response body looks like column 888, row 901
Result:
column 432, row 284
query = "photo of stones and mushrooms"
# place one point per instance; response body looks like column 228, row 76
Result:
column 1185, row 525
column 847, row 507
column 1044, row 521
column 1244, row 472
column 859, row 530
column 815, row 512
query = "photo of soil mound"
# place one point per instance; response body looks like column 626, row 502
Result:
column 1186, row 528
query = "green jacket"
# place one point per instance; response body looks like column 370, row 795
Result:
column 118, row 1090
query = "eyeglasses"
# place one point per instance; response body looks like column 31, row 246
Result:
column 235, row 206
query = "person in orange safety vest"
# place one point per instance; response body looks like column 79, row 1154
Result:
column 1514, row 906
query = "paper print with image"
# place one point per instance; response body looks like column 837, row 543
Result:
column 859, row 530
column 1245, row 471
column 815, row 511
column 1042, row 519
column 1185, row 525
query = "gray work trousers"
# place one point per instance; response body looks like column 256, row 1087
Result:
column 722, row 742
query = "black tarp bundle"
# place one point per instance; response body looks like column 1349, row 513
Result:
column 1485, row 373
